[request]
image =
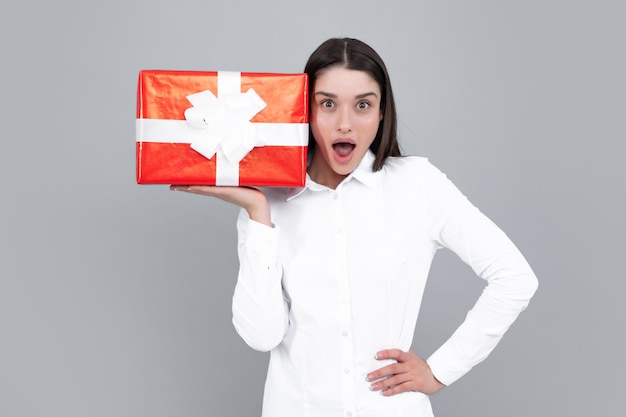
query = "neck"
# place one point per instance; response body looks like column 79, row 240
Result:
column 322, row 174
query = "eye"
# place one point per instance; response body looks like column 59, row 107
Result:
column 327, row 104
column 363, row 105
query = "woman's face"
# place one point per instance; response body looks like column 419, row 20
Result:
column 345, row 114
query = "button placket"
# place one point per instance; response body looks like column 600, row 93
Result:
column 345, row 317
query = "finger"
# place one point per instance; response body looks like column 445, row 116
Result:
column 208, row 190
column 386, row 372
column 387, row 383
column 396, row 389
column 396, row 354
column 178, row 187
column 389, row 354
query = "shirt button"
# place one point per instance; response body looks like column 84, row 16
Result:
column 335, row 196
column 344, row 334
column 338, row 230
column 346, row 371
column 349, row 414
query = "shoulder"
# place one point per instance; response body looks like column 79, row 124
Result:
column 412, row 167
column 416, row 176
column 406, row 162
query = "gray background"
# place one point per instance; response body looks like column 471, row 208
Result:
column 115, row 297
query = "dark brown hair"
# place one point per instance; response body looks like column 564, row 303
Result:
column 356, row 55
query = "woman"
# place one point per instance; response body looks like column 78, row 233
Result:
column 332, row 275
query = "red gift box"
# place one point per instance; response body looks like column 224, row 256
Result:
column 222, row 128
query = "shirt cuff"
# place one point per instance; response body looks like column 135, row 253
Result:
column 262, row 239
column 467, row 347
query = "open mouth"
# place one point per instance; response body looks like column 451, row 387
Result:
column 343, row 149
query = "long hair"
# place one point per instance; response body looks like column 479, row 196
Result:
column 354, row 54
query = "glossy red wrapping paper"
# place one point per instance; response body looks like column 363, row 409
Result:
column 163, row 94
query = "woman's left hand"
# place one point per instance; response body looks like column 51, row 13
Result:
column 409, row 373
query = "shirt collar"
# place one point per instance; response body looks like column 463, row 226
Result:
column 363, row 173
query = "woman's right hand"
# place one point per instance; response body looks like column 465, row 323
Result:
column 251, row 199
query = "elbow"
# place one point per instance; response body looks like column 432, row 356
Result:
column 534, row 285
column 526, row 290
column 262, row 341
column 531, row 284
column 261, row 346
column 261, row 325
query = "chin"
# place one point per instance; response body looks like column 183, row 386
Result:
column 345, row 170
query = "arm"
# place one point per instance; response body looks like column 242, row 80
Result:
column 511, row 283
column 459, row 226
column 260, row 310
column 260, row 313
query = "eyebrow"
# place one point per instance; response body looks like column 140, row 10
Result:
column 359, row 96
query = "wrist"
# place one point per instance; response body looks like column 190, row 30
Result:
column 437, row 384
column 260, row 214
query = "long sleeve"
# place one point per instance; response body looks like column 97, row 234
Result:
column 511, row 282
column 260, row 311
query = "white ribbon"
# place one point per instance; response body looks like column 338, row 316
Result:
column 221, row 127
column 226, row 122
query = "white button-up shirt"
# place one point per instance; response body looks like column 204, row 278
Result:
column 342, row 274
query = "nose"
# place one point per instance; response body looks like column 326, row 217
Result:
column 344, row 121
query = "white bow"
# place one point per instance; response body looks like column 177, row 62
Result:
column 226, row 122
